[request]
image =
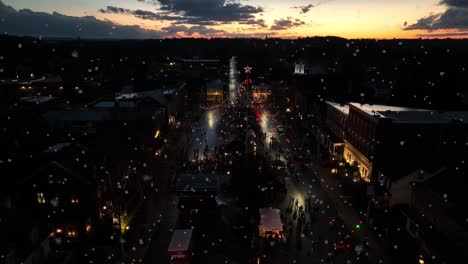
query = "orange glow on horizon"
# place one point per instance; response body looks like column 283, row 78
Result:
column 357, row 20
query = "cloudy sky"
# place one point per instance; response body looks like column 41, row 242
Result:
column 235, row 18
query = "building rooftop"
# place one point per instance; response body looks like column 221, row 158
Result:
column 411, row 115
column 383, row 110
column 180, row 240
column 427, row 117
column 78, row 115
column 57, row 147
column 197, row 182
column 156, row 95
column 111, row 104
column 270, row 219
column 342, row 108
column 36, row 99
column 215, row 84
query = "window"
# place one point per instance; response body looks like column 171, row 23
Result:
column 40, row 198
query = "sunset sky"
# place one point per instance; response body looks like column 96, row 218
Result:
column 253, row 18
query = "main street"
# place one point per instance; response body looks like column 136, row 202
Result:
column 318, row 235
column 314, row 240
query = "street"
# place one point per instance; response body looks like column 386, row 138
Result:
column 312, row 219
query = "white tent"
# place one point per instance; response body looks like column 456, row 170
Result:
column 270, row 222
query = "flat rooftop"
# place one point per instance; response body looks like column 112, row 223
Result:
column 180, row 240
column 433, row 117
column 111, row 104
column 412, row 115
column 197, row 182
column 270, row 219
column 57, row 147
column 381, row 110
column 36, row 99
column 342, row 108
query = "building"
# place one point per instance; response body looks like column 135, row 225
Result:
column 138, row 117
column 65, row 191
column 386, row 143
column 270, row 223
column 195, row 184
column 50, row 204
column 430, row 211
column 214, row 92
column 170, row 94
column 336, row 117
column 306, row 67
column 197, row 192
column 201, row 67
column 364, row 132
column 261, row 92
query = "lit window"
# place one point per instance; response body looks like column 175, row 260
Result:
column 74, row 200
column 40, row 198
column 71, row 233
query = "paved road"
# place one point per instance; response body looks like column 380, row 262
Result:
column 329, row 187
column 205, row 132
column 311, row 243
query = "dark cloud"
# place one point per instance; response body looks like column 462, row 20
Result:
column 28, row 22
column 424, row 23
column 143, row 14
column 286, row 23
column 257, row 22
column 455, row 3
column 452, row 18
column 179, row 18
column 211, row 10
column 174, row 30
column 455, row 17
column 305, row 9
column 148, row 15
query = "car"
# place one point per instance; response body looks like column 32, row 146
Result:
column 280, row 129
